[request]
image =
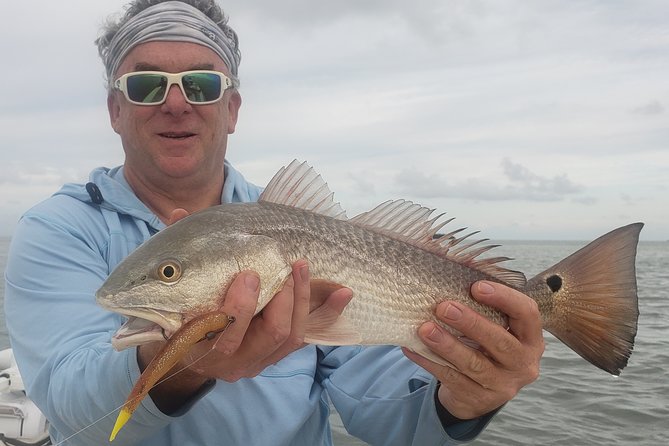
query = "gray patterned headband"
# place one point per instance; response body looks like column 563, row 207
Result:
column 176, row 22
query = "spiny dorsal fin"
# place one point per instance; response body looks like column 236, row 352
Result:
column 299, row 186
column 412, row 223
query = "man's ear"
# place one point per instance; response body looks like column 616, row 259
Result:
column 234, row 103
column 114, row 109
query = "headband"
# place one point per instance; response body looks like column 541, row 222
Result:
column 172, row 21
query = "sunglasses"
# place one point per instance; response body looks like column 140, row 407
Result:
column 151, row 87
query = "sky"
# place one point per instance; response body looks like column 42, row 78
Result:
column 523, row 119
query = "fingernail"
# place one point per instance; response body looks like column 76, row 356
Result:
column 485, row 288
column 252, row 282
column 435, row 334
column 304, row 273
column 451, row 312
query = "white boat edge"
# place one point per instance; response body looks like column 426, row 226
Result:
column 21, row 422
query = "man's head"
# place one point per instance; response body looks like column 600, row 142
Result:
column 172, row 125
column 172, row 20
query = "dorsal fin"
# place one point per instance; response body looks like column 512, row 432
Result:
column 299, row 186
column 412, row 223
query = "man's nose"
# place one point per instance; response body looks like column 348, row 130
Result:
column 175, row 102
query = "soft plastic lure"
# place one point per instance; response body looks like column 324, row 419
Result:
column 173, row 351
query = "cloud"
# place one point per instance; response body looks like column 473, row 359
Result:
column 521, row 184
column 628, row 199
column 587, row 200
column 549, row 188
column 299, row 15
column 362, row 184
column 18, row 174
column 649, row 109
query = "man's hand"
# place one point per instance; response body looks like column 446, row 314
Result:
column 251, row 343
column 507, row 361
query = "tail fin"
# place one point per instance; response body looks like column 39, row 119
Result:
column 590, row 299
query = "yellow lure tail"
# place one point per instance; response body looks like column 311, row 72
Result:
column 123, row 417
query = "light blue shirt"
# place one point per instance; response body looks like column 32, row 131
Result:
column 62, row 251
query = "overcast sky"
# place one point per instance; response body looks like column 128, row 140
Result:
column 524, row 119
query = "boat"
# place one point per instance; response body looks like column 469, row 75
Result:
column 21, row 422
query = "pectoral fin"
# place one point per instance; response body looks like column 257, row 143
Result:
column 326, row 326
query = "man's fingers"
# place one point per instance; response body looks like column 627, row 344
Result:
column 254, row 342
column 300, row 295
column 505, row 360
column 176, row 215
column 470, row 362
column 511, row 348
column 492, row 337
column 457, row 391
column 265, row 335
column 522, row 311
column 240, row 302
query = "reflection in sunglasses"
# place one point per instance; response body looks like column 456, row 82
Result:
column 151, row 87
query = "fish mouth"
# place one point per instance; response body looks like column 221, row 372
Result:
column 145, row 325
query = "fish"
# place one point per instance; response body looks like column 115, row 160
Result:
column 396, row 259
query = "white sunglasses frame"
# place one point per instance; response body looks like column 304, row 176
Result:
column 121, row 84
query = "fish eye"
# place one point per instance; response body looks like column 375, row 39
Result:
column 169, row 271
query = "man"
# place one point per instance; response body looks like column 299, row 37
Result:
column 258, row 384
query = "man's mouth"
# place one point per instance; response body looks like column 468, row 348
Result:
column 176, row 135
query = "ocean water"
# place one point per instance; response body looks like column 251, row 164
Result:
column 573, row 403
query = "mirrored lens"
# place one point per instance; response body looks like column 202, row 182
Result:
column 146, row 88
column 151, row 88
column 202, row 87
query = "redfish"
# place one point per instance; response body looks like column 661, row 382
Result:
column 390, row 257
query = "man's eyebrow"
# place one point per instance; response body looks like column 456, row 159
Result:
column 143, row 66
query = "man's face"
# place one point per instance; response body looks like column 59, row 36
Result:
column 175, row 139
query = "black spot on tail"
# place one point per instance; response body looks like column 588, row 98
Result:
column 554, row 282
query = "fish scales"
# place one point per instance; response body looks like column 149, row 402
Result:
column 396, row 285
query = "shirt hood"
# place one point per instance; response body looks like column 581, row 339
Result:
column 109, row 189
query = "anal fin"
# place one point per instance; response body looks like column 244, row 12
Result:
column 425, row 352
